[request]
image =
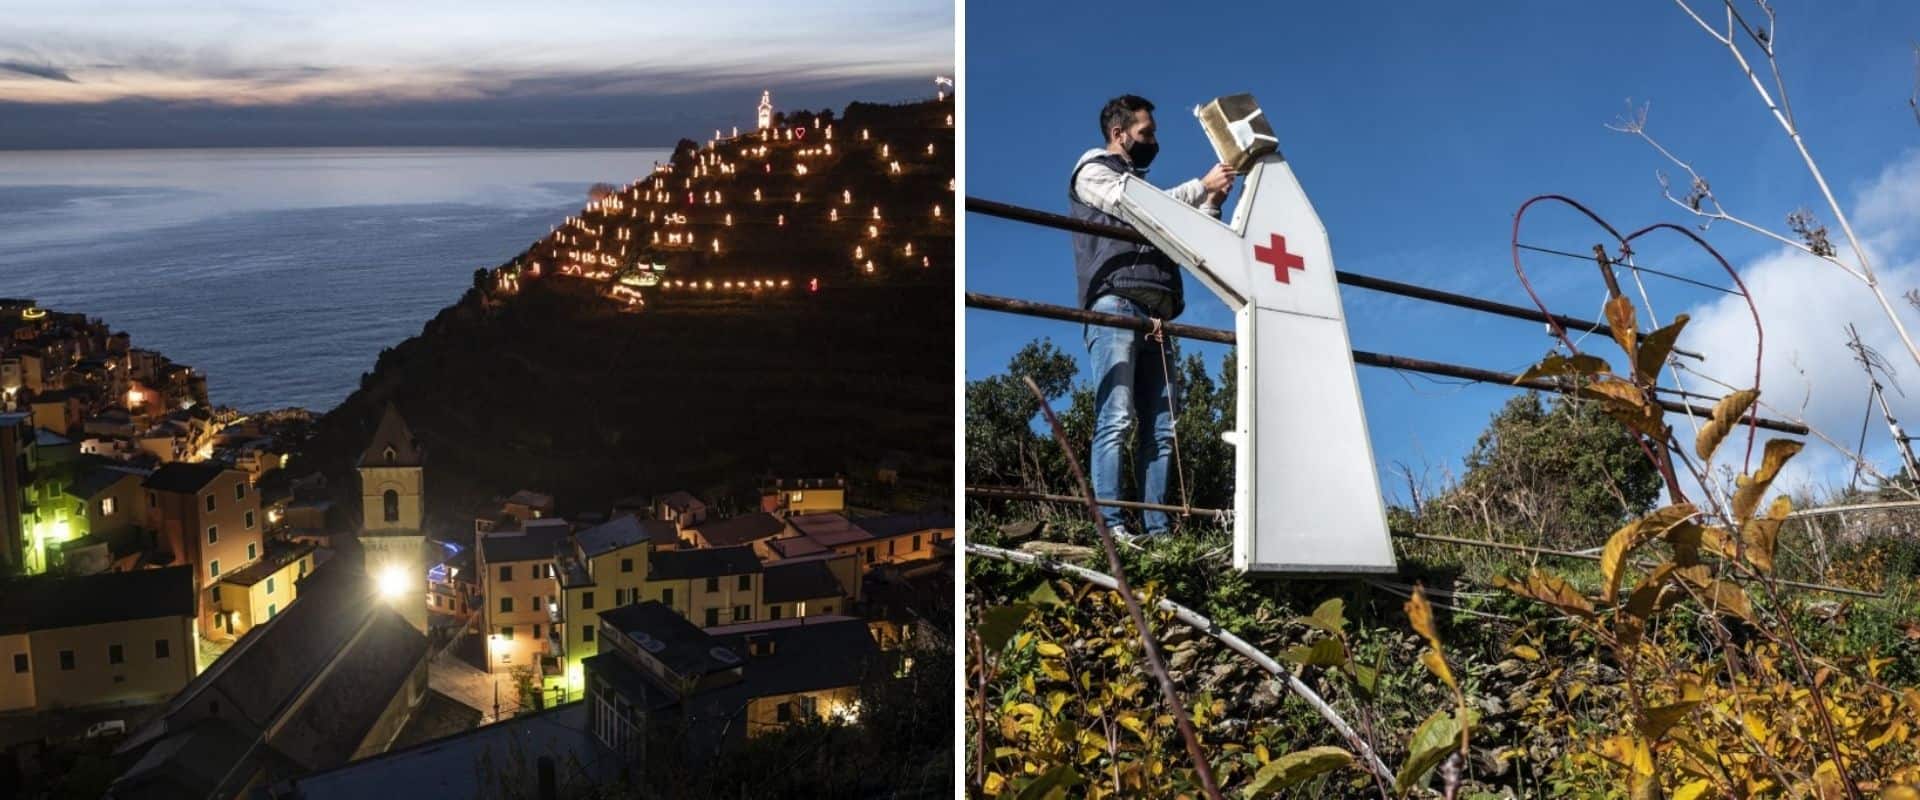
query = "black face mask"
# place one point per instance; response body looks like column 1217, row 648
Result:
column 1141, row 153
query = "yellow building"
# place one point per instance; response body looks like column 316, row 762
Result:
column 709, row 587
column 260, row 591
column 805, row 496
column 111, row 638
column 208, row 516
column 521, row 596
column 894, row 539
column 604, row 567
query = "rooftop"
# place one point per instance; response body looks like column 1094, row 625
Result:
column 806, row 655
column 680, row 501
column 392, row 434
column 450, row 766
column 670, row 639
column 623, row 532
column 92, row 482
column 714, row 562
column 183, row 478
column 533, row 545
column 799, row 580
column 829, row 530
column 743, row 529
column 892, row 525
column 43, row 602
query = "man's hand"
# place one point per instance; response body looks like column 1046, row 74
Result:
column 1218, row 182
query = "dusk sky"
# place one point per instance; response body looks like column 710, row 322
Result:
column 221, row 73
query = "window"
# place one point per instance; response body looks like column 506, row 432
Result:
column 536, row 631
column 507, row 632
column 153, row 500
column 253, row 550
column 916, row 542
column 269, row 584
column 209, row 501
column 272, row 610
column 890, row 544
column 533, row 604
column 742, row 613
column 746, row 583
column 213, row 534
column 626, row 565
column 506, row 572
column 773, row 611
column 390, row 505
column 666, row 596
column 249, row 519
column 116, row 655
column 240, row 490
column 619, row 598
column 213, row 569
column 19, row 662
column 216, row 595
column 506, row 605
column 713, row 584
column 586, row 599
column 713, row 617
column 869, row 555
column 826, row 609
column 107, row 506
column 66, row 660
column 162, row 648
column 303, row 568
column 785, row 712
column 586, row 634
column 809, row 705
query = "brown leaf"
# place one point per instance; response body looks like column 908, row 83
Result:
column 1726, row 414
column 1628, row 404
column 1749, row 489
column 1762, row 534
column 1550, row 589
column 1630, row 536
column 1620, row 318
column 1655, row 349
column 1719, row 596
column 1556, row 365
column 1420, row 615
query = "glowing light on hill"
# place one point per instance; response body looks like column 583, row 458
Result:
column 846, row 196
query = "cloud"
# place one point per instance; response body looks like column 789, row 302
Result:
column 1805, row 306
column 36, row 71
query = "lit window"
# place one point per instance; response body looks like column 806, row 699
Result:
column 108, row 506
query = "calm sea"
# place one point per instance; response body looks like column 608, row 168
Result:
column 279, row 273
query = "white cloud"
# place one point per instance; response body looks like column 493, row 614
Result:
column 1805, row 305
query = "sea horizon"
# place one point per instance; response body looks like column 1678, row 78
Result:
column 250, row 264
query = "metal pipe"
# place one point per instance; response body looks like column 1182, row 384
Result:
column 1050, row 311
column 1066, row 223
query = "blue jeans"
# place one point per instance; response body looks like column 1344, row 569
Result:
column 1131, row 387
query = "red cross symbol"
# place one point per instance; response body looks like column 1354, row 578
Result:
column 1275, row 253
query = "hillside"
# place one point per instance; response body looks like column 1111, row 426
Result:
column 597, row 365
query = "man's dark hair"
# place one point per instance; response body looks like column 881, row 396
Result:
column 1118, row 113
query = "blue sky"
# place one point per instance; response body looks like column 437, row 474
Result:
column 1417, row 130
column 576, row 72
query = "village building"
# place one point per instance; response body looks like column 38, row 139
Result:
column 261, row 590
column 207, row 516
column 116, row 638
column 894, row 539
column 804, row 496
column 656, row 670
column 709, row 586
column 603, row 567
column 521, row 595
column 392, row 509
column 682, row 509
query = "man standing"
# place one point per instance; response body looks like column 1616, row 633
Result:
column 1134, row 280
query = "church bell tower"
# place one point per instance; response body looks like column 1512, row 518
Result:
column 391, row 503
column 766, row 110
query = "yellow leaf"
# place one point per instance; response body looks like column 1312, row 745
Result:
column 1049, row 650
column 1654, row 350
column 1620, row 318
column 1438, row 664
column 1524, row 652
column 1260, row 752
column 1632, row 535
column 1827, row 782
column 1550, row 589
column 1746, row 497
column 1420, row 615
column 1693, row 791
column 1762, row 533
column 1726, row 414
column 995, row 784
